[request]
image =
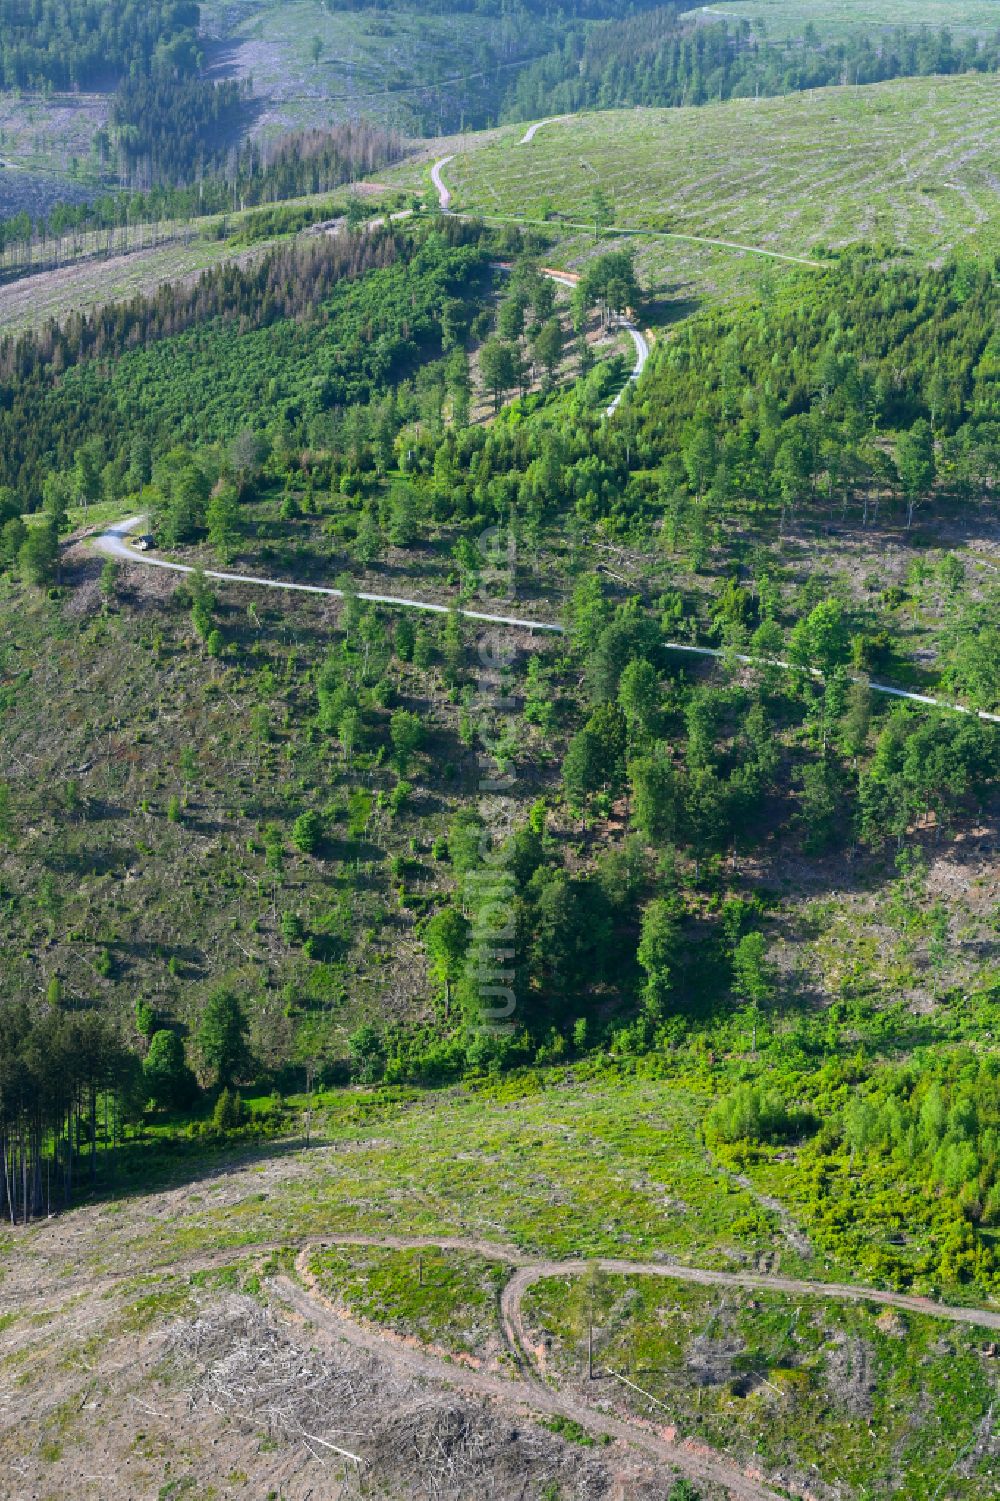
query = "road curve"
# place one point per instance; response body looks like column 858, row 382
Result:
column 534, row 1391
column 530, row 1269
column 444, row 202
column 529, row 134
column 699, row 1462
column 112, row 544
column 567, row 279
column 528, row 1273
column 444, row 193
column 571, row 279
column 641, row 356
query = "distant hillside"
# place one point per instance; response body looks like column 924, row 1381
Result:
column 906, row 166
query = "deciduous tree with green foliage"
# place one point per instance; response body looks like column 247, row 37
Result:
column 447, row 938
column 657, row 951
column 308, row 832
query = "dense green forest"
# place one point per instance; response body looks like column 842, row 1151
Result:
column 664, row 58
column 66, row 44
column 169, row 129
column 54, row 1070
column 131, row 371
column 581, row 9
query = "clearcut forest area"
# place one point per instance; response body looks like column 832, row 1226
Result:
column 499, row 751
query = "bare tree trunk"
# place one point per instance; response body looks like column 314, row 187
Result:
column 93, row 1136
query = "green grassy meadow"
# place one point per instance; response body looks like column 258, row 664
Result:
column 562, row 1165
column 446, row 1298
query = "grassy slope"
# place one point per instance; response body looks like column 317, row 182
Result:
column 572, row 1163
column 113, row 1381
column 589, row 1165
column 39, row 140
column 32, row 301
column 200, row 899
column 151, row 698
column 562, row 1165
column 909, row 162
column 116, row 899
column 788, row 17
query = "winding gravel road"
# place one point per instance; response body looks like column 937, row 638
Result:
column 886, row 688
column 443, row 192
column 641, row 356
column 112, row 544
column 529, row 134
column 445, row 196
column 697, row 1461
column 564, row 278
column 570, row 279
column 37, row 1284
column 536, row 1392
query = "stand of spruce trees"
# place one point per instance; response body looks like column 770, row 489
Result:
column 66, row 1082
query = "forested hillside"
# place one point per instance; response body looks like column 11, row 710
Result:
column 76, row 44
column 500, row 762
column 672, row 56
column 208, row 384
column 167, row 121
column 303, row 843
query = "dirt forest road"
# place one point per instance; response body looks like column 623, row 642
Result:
column 532, row 1391
column 443, row 192
column 532, row 1396
column 529, row 134
column 641, row 356
column 529, row 1269
column 112, row 543
column 445, row 197
column 527, row 1393
column 570, row 279
column 527, row 1389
